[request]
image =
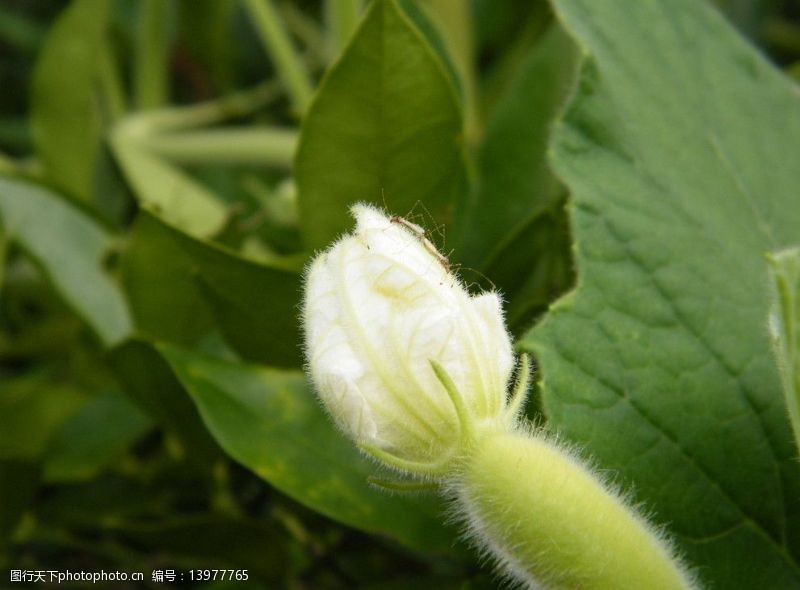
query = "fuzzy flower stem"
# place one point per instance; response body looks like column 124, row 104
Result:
column 552, row 524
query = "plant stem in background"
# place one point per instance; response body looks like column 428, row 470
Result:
column 111, row 83
column 203, row 113
column 290, row 67
column 261, row 146
column 341, row 18
column 309, row 33
column 151, row 66
column 173, row 132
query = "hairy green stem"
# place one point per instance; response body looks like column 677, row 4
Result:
column 552, row 524
column 290, row 66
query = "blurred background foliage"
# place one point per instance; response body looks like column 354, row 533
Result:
column 156, row 215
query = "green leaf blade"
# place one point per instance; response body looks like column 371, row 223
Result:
column 70, row 247
column 679, row 150
column 270, row 421
column 181, row 288
column 385, row 127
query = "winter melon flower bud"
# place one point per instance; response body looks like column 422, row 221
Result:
column 405, row 360
column 415, row 370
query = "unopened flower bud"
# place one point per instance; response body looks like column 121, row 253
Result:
column 388, row 328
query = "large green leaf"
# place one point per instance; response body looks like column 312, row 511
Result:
column 680, row 148
column 70, row 247
column 180, row 286
column 385, row 126
column 64, row 116
column 269, row 420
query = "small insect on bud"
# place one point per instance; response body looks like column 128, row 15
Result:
column 423, row 238
column 405, row 360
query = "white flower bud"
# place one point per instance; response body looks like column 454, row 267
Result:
column 381, row 310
